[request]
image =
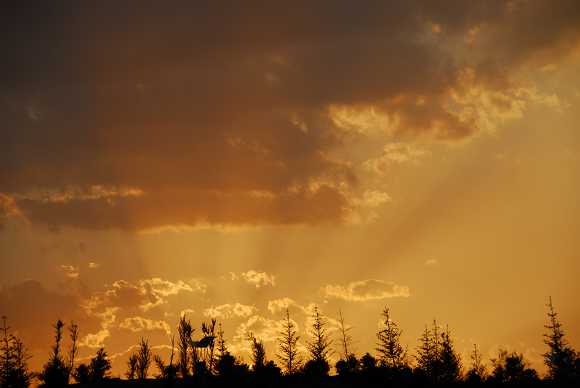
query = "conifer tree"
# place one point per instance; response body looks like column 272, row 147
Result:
column 221, row 346
column 14, row 371
column 429, row 353
column 449, row 360
column 477, row 371
column 425, row 353
column 287, row 345
column 319, row 347
column 560, row 357
column 258, row 352
column 55, row 372
column 391, row 352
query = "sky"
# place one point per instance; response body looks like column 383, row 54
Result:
column 234, row 159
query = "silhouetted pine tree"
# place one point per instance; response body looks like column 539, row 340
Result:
column 449, row 361
column 477, row 372
column 560, row 358
column 221, row 346
column 55, row 372
column 14, row 371
column 319, row 348
column 258, row 352
column 426, row 356
column 287, row 345
column 391, row 352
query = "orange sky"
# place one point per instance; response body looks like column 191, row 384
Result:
column 232, row 161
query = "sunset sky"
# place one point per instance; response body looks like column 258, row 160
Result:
column 232, row 159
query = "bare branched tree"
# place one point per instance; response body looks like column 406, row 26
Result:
column 345, row 337
column 73, row 350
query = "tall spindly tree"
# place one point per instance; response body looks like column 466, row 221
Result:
column 319, row 347
column 287, row 346
column 345, row 337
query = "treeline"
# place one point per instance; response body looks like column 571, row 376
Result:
column 208, row 362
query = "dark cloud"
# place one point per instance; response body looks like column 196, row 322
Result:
column 219, row 112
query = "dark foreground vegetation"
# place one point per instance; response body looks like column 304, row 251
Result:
column 208, row 363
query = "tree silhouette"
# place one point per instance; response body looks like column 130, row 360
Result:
column 368, row 363
column 97, row 370
column 449, row 360
column 477, row 372
column 82, row 374
column 426, row 356
column 560, row 358
column 99, row 366
column 14, row 371
column 511, row 368
column 167, row 372
column 287, row 346
column 391, row 352
column 144, row 357
column 132, row 367
column 221, row 346
column 73, row 350
column 231, row 369
column 185, row 331
column 55, row 372
column 258, row 352
column 318, row 347
column 345, row 337
column 208, row 330
column 348, row 367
